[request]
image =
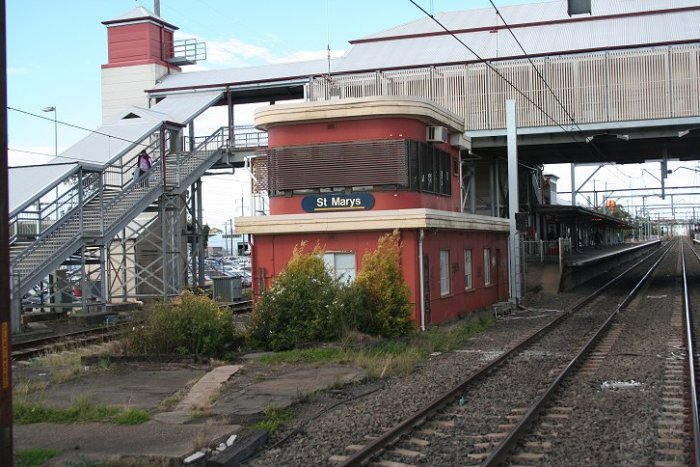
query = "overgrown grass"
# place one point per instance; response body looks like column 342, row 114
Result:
column 35, row 456
column 324, row 354
column 392, row 356
column 82, row 410
column 274, row 416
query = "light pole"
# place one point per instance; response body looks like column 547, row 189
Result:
column 55, row 128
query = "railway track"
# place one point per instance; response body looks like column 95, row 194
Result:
column 35, row 347
column 691, row 318
column 523, row 430
column 25, row 350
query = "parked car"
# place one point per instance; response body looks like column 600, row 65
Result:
column 34, row 300
column 246, row 279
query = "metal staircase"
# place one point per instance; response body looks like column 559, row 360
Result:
column 99, row 205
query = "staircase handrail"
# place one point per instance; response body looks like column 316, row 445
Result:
column 37, row 216
column 111, row 177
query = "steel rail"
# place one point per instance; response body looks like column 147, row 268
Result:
column 502, row 450
column 690, row 343
column 362, row 456
column 30, row 348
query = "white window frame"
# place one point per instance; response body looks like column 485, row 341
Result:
column 445, row 278
column 468, row 270
column 330, row 258
column 487, row 266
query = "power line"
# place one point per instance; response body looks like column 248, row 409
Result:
column 549, row 88
column 77, row 159
column 32, row 152
column 556, row 97
column 75, row 126
column 491, row 67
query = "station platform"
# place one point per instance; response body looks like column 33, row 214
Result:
column 582, row 265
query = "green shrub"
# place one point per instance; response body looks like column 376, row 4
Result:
column 35, row 456
column 297, row 308
column 191, row 324
column 305, row 304
column 380, row 298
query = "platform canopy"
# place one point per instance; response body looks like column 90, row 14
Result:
column 561, row 214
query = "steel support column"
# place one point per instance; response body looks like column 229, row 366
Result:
column 513, row 202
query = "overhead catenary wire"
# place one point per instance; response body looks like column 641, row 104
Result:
column 52, row 156
column 487, row 63
column 546, row 84
column 75, row 126
column 589, row 144
column 490, row 67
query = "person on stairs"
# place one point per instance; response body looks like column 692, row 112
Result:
column 143, row 166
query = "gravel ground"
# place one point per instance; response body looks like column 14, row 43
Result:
column 614, row 406
column 374, row 407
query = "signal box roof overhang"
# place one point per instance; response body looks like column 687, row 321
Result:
column 560, row 214
column 353, row 109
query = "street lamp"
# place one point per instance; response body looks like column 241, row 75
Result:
column 55, row 127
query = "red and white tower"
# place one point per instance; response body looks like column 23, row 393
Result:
column 140, row 51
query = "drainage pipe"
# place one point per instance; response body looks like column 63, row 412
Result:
column 421, row 281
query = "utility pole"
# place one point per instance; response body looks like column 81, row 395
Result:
column 230, row 221
column 5, row 303
column 513, row 201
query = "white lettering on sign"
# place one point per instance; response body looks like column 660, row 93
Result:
column 321, row 202
column 346, row 202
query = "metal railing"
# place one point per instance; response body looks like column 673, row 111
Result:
column 595, row 87
column 185, row 51
column 244, row 137
column 120, row 172
column 53, row 205
column 545, row 251
column 102, row 201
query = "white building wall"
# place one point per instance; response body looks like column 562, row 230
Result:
column 124, row 86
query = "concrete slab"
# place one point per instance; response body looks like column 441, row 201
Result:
column 107, row 441
column 170, row 436
column 129, row 386
column 281, row 389
column 201, row 394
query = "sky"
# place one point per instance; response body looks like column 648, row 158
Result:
column 55, row 50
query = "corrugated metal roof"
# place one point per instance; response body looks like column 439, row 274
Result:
column 523, row 14
column 565, row 36
column 99, row 149
column 253, row 74
column 108, row 142
column 25, row 183
column 138, row 14
column 536, row 40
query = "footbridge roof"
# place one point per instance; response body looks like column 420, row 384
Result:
column 544, row 29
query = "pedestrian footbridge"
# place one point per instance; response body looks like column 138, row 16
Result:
column 84, row 233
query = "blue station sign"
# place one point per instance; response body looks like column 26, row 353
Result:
column 338, row 202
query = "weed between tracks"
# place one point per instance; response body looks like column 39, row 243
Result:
column 82, row 410
column 35, row 456
column 274, row 416
column 392, row 357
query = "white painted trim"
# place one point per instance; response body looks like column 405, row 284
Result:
column 421, row 109
column 368, row 221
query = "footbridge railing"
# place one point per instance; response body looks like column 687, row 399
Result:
column 101, row 203
column 618, row 85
